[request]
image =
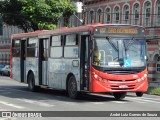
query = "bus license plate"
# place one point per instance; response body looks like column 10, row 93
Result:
column 123, row 86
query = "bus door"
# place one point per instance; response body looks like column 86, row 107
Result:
column 16, row 66
column 23, row 60
column 84, row 62
column 43, row 61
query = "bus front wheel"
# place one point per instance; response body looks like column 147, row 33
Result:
column 119, row 95
column 31, row 83
column 139, row 94
column 72, row 88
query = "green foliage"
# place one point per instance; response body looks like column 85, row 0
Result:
column 155, row 91
column 35, row 14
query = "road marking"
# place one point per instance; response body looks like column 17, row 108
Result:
column 121, row 102
column 36, row 102
column 11, row 105
column 144, row 100
column 98, row 103
column 151, row 98
column 70, row 103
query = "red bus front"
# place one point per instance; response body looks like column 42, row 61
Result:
column 118, row 60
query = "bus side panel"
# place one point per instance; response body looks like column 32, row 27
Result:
column 59, row 69
column 74, row 69
column 32, row 65
column 16, row 69
column 56, row 71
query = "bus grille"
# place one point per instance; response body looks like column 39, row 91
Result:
column 131, row 80
column 116, row 87
column 115, row 84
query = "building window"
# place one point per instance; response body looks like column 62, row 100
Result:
column 99, row 16
column 107, row 15
column 126, row 14
column 157, row 12
column 136, row 12
column 158, row 65
column 147, row 13
column 91, row 17
column 116, row 15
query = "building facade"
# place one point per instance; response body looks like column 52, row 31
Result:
column 5, row 43
column 137, row 12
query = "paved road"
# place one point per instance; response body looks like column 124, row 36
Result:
column 15, row 96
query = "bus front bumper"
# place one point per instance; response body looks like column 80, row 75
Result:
column 120, row 87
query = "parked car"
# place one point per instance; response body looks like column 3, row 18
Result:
column 6, row 70
column 1, row 66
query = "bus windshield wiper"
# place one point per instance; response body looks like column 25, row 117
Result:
column 112, row 44
column 129, row 43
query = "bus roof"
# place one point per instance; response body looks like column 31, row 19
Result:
column 67, row 30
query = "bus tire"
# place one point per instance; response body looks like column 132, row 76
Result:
column 31, row 83
column 72, row 87
column 119, row 95
column 139, row 94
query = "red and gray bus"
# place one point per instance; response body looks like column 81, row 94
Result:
column 98, row 58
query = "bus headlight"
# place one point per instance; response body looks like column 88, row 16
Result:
column 105, row 81
column 142, row 78
column 139, row 80
column 145, row 75
column 95, row 76
column 100, row 79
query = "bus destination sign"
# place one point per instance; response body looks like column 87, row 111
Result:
column 123, row 30
column 114, row 30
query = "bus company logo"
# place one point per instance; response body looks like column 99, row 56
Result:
column 6, row 114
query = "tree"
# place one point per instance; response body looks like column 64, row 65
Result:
column 35, row 14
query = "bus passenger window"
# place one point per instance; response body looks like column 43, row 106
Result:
column 56, row 45
column 71, row 49
column 32, row 47
column 16, row 48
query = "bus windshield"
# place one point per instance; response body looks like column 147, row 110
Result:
column 119, row 52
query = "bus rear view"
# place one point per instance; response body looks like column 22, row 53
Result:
column 118, row 60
